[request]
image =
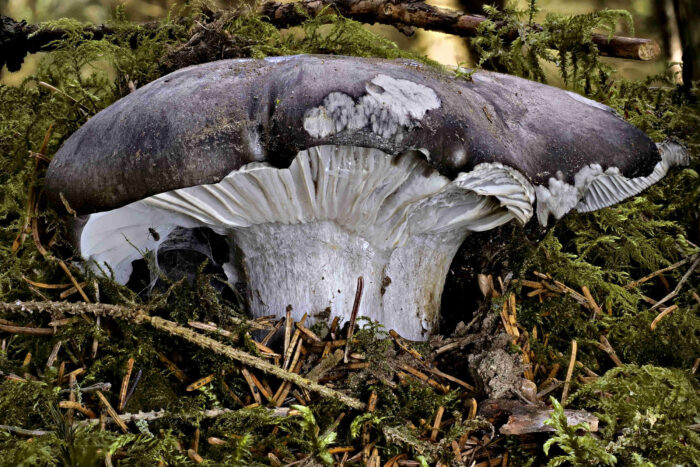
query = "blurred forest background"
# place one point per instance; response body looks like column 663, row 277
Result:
column 662, row 20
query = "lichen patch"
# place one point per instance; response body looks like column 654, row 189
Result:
column 389, row 105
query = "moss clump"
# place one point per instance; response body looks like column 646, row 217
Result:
column 646, row 413
column 509, row 41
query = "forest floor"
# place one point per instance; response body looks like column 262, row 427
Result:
column 602, row 313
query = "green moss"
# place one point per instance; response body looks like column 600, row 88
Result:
column 508, row 43
column 645, row 414
column 578, row 449
column 23, row 404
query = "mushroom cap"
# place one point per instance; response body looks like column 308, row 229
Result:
column 198, row 124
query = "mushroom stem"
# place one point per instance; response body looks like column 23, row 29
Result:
column 314, row 267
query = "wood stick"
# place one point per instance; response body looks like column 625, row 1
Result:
column 24, row 432
column 200, row 383
column 54, row 354
column 307, row 332
column 284, row 389
column 661, row 315
column 70, row 291
column 676, row 265
column 436, row 424
column 607, row 348
column 371, row 407
column 27, row 330
column 265, row 350
column 353, row 316
column 31, row 38
column 587, row 293
column 232, row 394
column 288, row 324
column 423, row 377
column 195, row 441
column 41, row 285
column 295, row 358
column 177, row 373
column 441, row 374
column 112, row 413
column 209, row 413
column 194, row 457
column 473, row 410
column 125, row 384
column 252, row 361
column 532, row 284
column 272, row 332
column 88, row 389
column 325, row 365
column 77, row 406
column 334, row 326
column 261, row 387
column 405, row 347
column 293, row 344
column 679, row 286
column 432, row 18
column 569, row 372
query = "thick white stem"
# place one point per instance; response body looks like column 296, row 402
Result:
column 314, row 268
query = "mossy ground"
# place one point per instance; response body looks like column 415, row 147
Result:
column 646, row 407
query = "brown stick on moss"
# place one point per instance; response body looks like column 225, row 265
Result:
column 421, row 15
column 17, row 39
column 139, row 316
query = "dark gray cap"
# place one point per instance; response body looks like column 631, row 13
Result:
column 198, row 124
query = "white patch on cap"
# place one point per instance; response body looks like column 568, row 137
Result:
column 389, row 105
column 595, row 188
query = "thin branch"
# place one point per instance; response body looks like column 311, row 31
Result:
column 634, row 284
column 18, row 39
column 353, row 317
column 678, row 288
column 27, row 330
column 24, row 432
column 569, row 372
column 419, row 14
column 88, row 389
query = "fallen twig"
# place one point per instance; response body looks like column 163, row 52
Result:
column 607, row 348
column 679, row 286
column 23, row 432
column 403, row 15
column 353, row 317
column 89, row 389
column 569, row 372
column 19, row 38
column 660, row 316
column 113, row 413
column 125, row 384
column 27, row 330
column 676, row 265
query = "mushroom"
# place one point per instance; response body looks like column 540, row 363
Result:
column 317, row 170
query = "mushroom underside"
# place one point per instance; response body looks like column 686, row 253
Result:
column 301, row 236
